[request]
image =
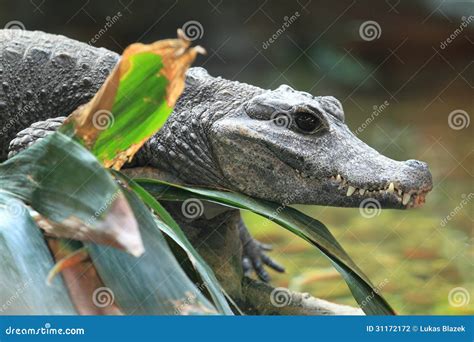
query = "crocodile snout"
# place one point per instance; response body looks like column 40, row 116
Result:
column 419, row 165
column 421, row 174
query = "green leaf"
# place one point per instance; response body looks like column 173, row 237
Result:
column 25, row 261
column 139, row 109
column 168, row 225
column 79, row 199
column 309, row 229
column 153, row 284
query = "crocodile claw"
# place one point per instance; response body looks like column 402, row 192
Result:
column 254, row 257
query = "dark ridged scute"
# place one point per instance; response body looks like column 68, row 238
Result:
column 45, row 76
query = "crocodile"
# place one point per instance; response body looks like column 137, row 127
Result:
column 281, row 145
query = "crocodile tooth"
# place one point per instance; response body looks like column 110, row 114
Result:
column 361, row 191
column 338, row 178
column 391, row 188
column 406, row 198
column 350, row 190
column 400, row 192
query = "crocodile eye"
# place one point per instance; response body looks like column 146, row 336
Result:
column 307, row 122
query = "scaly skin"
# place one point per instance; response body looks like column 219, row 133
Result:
column 44, row 76
column 281, row 145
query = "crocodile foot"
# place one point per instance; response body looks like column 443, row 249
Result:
column 254, row 257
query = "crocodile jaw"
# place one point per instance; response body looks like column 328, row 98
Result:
column 336, row 169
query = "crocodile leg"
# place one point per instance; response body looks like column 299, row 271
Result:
column 254, row 257
column 35, row 132
column 251, row 251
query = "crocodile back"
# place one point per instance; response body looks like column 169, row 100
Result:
column 45, row 76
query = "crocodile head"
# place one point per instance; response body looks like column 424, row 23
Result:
column 281, row 145
column 292, row 147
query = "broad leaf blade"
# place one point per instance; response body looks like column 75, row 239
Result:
column 170, row 227
column 139, row 100
column 24, row 265
column 313, row 231
column 153, row 284
column 79, row 199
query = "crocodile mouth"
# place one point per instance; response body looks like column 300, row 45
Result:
column 389, row 194
column 408, row 198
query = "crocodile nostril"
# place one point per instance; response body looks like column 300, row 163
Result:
column 417, row 164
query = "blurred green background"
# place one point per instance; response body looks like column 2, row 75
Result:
column 418, row 65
